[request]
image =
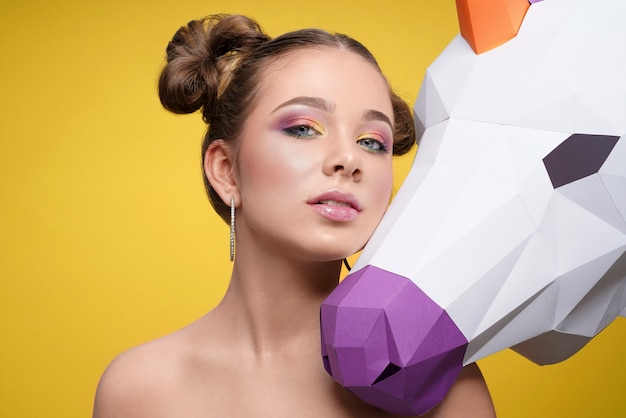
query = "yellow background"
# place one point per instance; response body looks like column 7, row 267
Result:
column 106, row 238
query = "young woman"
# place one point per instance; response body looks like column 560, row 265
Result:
column 297, row 154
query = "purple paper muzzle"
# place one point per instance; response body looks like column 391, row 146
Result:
column 387, row 342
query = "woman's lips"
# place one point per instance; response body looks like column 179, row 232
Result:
column 336, row 206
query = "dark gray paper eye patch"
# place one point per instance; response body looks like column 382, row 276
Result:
column 578, row 156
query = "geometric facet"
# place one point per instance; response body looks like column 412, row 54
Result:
column 578, row 156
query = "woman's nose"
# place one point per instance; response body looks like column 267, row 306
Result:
column 342, row 158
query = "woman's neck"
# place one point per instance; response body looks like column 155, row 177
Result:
column 272, row 303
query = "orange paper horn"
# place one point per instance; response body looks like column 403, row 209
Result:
column 485, row 24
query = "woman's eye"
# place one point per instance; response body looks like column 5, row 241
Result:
column 301, row 131
column 372, row 145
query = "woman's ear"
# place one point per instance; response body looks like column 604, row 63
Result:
column 219, row 169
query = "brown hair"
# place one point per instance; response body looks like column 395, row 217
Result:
column 215, row 64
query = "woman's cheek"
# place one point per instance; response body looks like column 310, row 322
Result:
column 385, row 185
column 276, row 164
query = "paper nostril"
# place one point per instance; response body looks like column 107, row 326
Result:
column 389, row 371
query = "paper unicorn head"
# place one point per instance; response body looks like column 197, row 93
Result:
column 510, row 229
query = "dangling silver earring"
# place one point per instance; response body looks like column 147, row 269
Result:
column 232, row 228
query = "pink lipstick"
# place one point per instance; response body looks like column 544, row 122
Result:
column 336, row 206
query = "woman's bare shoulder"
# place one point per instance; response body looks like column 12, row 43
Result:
column 136, row 380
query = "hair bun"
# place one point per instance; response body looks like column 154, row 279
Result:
column 201, row 58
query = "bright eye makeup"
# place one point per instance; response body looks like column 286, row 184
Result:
column 302, row 128
column 374, row 137
column 301, row 131
column 373, row 143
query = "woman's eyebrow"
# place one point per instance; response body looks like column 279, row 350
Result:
column 328, row 107
column 315, row 102
column 372, row 114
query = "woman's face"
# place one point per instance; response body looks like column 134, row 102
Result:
column 314, row 160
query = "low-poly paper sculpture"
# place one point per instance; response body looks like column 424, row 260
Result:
column 510, row 229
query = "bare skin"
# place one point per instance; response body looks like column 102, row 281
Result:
column 276, row 368
column 258, row 352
